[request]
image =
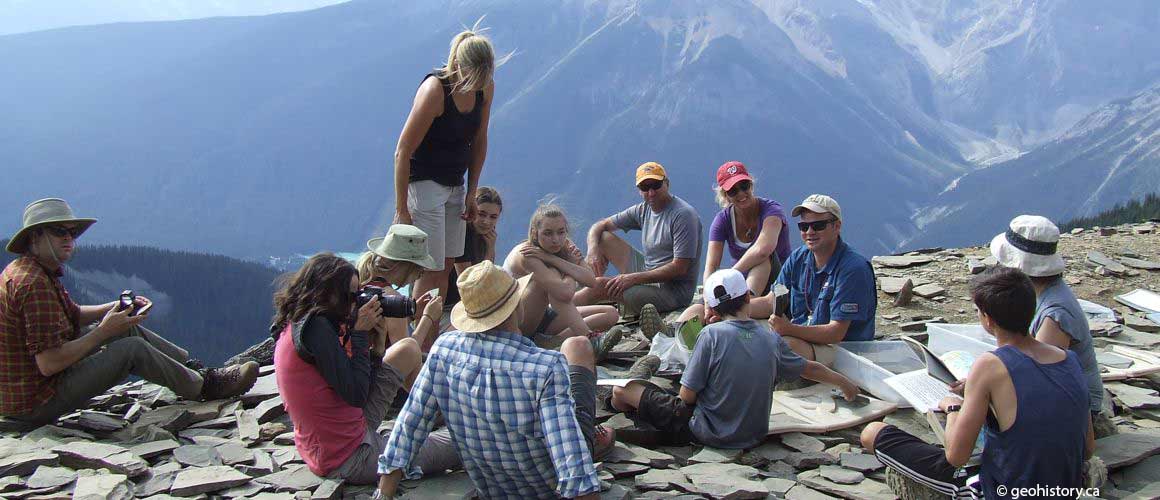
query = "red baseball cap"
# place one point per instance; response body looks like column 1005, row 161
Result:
column 731, row 173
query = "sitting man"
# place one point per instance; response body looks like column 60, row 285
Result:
column 665, row 275
column 832, row 292
column 522, row 418
column 1029, row 398
column 727, row 388
column 52, row 360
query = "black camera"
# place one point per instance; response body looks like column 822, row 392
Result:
column 129, row 299
column 393, row 306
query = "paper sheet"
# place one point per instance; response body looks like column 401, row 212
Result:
column 918, row 388
column 1142, row 300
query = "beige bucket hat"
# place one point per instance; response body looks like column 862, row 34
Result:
column 403, row 242
column 42, row 213
column 488, row 296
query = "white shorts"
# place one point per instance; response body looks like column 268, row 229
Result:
column 436, row 210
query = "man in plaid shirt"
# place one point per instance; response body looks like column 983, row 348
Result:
column 522, row 418
column 52, row 361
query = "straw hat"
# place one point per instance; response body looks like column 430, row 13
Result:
column 1030, row 246
column 488, row 296
column 42, row 213
column 403, row 242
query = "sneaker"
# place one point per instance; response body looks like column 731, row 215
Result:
column 603, row 443
column 645, row 367
column 230, row 381
column 650, row 321
column 604, row 343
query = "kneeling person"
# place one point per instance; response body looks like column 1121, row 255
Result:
column 832, row 296
column 727, row 389
column 1029, row 398
column 53, row 361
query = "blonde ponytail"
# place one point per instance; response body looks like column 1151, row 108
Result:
column 471, row 60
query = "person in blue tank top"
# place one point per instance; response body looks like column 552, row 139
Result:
column 1029, row 399
column 443, row 140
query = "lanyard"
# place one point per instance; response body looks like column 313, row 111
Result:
column 821, row 293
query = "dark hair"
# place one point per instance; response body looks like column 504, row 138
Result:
column 321, row 286
column 1006, row 295
column 486, row 194
column 729, row 307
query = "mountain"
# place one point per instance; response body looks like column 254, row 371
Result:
column 274, row 134
column 1109, row 157
column 22, row 16
column 215, row 306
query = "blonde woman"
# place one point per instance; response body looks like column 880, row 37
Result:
column 556, row 266
column 444, row 139
column 394, row 261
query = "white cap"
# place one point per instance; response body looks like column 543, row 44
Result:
column 722, row 285
column 819, row 203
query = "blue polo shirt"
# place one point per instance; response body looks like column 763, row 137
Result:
column 843, row 290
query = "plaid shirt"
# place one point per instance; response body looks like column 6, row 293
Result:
column 510, row 413
column 36, row 314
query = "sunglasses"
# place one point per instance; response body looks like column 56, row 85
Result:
column 738, row 188
column 818, row 225
column 650, row 185
column 62, row 231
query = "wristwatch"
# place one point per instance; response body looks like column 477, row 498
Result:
column 953, row 408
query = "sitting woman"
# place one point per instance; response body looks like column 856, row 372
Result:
column 336, row 378
column 479, row 242
column 392, row 262
column 755, row 231
column 556, row 266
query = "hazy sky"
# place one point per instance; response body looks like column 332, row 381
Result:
column 20, row 16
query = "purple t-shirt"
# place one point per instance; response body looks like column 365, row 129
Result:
column 722, row 229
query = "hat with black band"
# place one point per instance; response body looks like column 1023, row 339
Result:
column 1030, row 244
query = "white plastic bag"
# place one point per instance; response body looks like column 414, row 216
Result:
column 674, row 355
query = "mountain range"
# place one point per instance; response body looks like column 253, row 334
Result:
column 254, row 136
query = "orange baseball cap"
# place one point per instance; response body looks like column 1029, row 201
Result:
column 650, row 170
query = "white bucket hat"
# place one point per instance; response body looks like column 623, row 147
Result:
column 1029, row 245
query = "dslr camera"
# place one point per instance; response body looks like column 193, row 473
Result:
column 393, row 306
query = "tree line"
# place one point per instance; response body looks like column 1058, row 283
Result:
column 1125, row 213
column 214, row 306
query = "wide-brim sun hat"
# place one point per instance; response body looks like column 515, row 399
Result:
column 1029, row 245
column 403, row 242
column 488, row 296
column 41, row 213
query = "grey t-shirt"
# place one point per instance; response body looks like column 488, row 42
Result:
column 1059, row 303
column 733, row 369
column 674, row 232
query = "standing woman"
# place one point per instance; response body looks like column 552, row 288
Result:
column 445, row 137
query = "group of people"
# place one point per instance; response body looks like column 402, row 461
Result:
column 507, row 391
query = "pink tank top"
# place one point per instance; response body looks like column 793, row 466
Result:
column 327, row 430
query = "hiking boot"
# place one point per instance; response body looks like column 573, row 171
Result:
column 194, row 364
column 230, row 381
column 645, row 367
column 650, row 321
column 603, row 344
column 603, row 442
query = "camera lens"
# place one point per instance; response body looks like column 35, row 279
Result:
column 397, row 306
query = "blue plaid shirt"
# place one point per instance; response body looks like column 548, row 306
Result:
column 510, row 414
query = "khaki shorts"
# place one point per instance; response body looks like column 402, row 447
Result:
column 436, row 210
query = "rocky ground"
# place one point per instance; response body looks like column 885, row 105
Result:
column 140, row 440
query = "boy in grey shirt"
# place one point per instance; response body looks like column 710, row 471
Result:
column 665, row 275
column 727, row 389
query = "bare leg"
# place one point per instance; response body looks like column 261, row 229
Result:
column 759, row 276
column 693, row 311
column 406, row 357
column 535, row 304
column 599, row 318
column 801, row 347
column 627, row 398
column 430, row 280
column 619, row 254
column 761, row 307
column 870, row 434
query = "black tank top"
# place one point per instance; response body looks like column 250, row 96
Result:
column 445, row 152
